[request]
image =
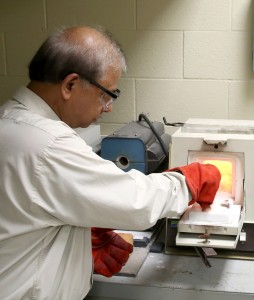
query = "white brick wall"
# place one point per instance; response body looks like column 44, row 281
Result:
column 218, row 55
column 186, row 58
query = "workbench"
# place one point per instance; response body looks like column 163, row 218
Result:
column 178, row 277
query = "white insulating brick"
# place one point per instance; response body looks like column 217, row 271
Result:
column 218, row 55
column 153, row 54
column 184, row 14
column 110, row 14
column 241, row 100
column 243, row 15
column 22, row 15
column 179, row 100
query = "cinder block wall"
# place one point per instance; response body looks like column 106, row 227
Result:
column 186, row 58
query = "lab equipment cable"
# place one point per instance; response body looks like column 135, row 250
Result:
column 175, row 124
column 162, row 144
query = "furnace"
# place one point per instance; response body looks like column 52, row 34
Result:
column 229, row 145
column 142, row 145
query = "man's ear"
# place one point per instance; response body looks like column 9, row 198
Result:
column 68, row 84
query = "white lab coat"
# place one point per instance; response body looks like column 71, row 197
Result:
column 53, row 188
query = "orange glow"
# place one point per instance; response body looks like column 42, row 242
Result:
column 226, row 170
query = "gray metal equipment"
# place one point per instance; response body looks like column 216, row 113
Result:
column 141, row 145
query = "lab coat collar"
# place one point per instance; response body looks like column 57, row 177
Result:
column 34, row 103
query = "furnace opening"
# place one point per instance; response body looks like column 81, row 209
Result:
column 227, row 170
column 231, row 166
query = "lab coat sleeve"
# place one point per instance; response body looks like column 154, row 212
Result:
column 76, row 186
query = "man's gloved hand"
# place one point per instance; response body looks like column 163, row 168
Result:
column 203, row 181
column 110, row 251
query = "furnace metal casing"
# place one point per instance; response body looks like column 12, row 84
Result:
column 219, row 137
column 135, row 146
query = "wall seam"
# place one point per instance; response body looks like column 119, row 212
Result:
column 5, row 54
column 45, row 14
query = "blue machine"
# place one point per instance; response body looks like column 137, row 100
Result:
column 137, row 145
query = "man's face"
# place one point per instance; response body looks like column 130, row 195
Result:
column 85, row 104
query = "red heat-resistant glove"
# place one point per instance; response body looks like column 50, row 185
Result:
column 203, row 181
column 110, row 251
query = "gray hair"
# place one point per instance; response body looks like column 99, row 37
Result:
column 67, row 51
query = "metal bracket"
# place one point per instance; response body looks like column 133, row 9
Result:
column 203, row 256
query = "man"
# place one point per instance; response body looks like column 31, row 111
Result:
column 54, row 188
